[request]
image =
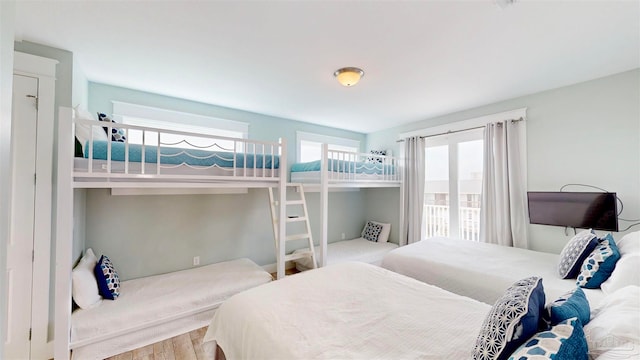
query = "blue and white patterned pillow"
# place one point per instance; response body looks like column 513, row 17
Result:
column 571, row 304
column 117, row 134
column 107, row 278
column 565, row 341
column 574, row 253
column 513, row 319
column 376, row 159
column 372, row 231
column 599, row 265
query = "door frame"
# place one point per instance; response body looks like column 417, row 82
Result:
column 44, row 70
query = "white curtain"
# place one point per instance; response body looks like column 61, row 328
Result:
column 503, row 216
column 413, row 189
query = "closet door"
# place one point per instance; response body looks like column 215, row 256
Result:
column 20, row 247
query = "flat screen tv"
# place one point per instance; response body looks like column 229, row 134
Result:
column 595, row 210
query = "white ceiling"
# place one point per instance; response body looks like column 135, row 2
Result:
column 421, row 59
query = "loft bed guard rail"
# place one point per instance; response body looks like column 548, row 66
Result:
column 364, row 167
column 173, row 156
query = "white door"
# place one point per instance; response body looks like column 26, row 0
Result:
column 20, row 247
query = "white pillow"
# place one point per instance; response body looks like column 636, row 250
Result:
column 384, row 234
column 84, row 286
column 626, row 272
column 629, row 244
column 614, row 324
column 83, row 131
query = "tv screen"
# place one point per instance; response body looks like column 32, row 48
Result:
column 584, row 210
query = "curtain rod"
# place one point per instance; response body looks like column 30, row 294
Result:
column 457, row 131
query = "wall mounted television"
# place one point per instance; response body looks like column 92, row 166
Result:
column 595, row 210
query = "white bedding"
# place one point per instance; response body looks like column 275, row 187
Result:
column 350, row 250
column 347, row 311
column 157, row 300
column 479, row 270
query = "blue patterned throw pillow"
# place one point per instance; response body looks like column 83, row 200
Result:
column 107, row 278
column 565, row 341
column 574, row 253
column 599, row 265
column 572, row 304
column 372, row 231
column 513, row 319
column 116, row 133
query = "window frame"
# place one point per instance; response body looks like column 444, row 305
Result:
column 319, row 138
column 452, row 141
column 148, row 115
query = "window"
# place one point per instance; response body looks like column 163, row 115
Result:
column 453, row 184
column 310, row 145
column 131, row 114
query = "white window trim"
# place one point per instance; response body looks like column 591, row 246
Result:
column 333, row 140
column 121, row 109
column 467, row 124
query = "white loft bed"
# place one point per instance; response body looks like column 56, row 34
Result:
column 107, row 164
column 344, row 170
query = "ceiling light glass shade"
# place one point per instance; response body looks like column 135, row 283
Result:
column 348, row 76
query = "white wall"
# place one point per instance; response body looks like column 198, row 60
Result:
column 584, row 133
column 7, row 15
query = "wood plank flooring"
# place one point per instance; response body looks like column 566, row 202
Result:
column 182, row 347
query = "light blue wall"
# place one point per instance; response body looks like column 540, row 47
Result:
column 146, row 235
column 585, row 133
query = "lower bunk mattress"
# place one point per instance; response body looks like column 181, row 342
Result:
column 359, row 249
column 154, row 308
column 479, row 270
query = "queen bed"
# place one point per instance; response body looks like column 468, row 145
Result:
column 359, row 311
column 478, row 270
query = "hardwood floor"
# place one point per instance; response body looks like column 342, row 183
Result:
column 182, row 347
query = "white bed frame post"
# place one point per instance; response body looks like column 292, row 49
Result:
column 64, row 234
column 282, row 217
column 324, row 203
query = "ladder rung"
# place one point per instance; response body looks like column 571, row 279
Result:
column 297, row 218
column 295, row 202
column 297, row 237
column 298, row 255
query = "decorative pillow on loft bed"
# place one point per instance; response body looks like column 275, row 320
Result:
column 372, row 231
column 84, row 131
column 599, row 265
column 564, row 341
column 574, row 253
column 384, row 233
column 376, row 159
column 116, row 133
column 107, row 278
column 513, row 319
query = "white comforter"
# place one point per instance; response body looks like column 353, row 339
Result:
column 479, row 270
column 347, row 311
column 153, row 300
column 351, row 250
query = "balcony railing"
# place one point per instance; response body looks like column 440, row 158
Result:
column 436, row 221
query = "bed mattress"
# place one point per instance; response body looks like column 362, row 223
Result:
column 350, row 250
column 347, row 311
column 81, row 166
column 156, row 300
column 479, row 270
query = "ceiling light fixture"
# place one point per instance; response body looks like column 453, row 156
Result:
column 348, row 76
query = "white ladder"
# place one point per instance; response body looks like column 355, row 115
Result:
column 281, row 253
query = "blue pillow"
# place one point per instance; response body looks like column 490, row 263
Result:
column 570, row 305
column 513, row 319
column 565, row 341
column 599, row 265
column 107, row 278
column 574, row 253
